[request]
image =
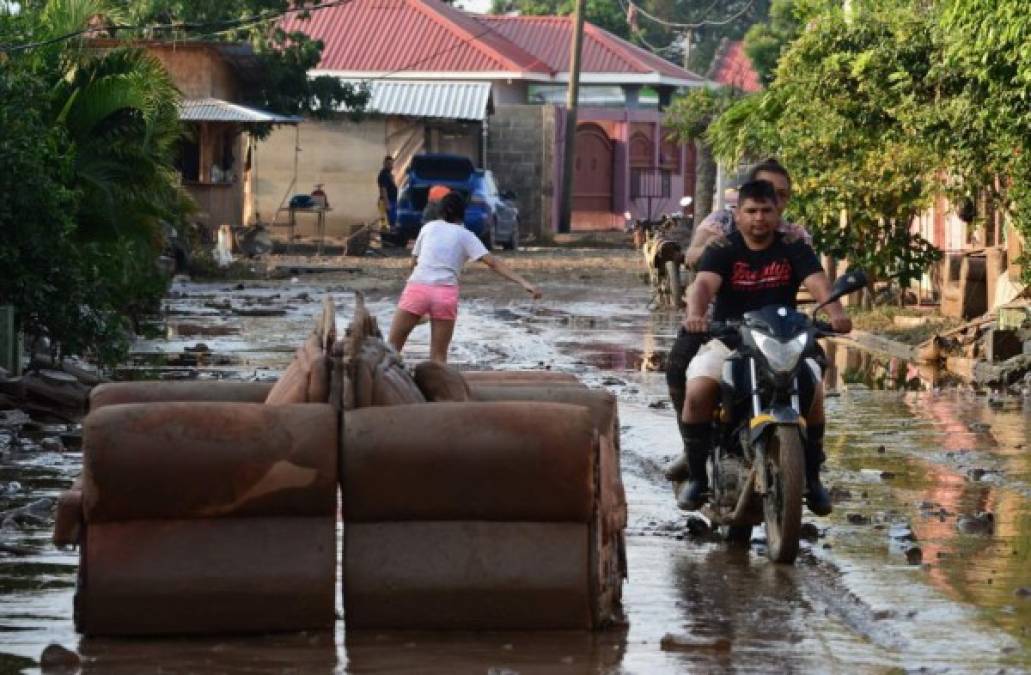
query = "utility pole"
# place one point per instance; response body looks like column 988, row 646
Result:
column 572, row 96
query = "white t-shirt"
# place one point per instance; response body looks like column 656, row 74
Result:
column 442, row 248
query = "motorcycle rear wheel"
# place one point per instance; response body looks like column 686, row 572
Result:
column 782, row 505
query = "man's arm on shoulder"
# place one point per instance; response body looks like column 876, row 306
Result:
column 715, row 228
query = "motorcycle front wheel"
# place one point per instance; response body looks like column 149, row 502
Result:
column 782, row 505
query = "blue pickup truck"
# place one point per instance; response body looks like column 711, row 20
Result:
column 490, row 215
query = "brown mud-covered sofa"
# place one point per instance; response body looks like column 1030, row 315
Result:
column 208, row 507
column 479, row 500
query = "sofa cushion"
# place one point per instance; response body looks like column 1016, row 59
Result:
column 440, row 382
column 392, row 385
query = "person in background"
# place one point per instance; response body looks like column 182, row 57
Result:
column 433, row 199
column 441, row 250
column 388, row 190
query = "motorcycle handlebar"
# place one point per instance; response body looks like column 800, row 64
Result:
column 823, row 328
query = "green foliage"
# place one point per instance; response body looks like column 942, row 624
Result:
column 690, row 115
column 87, row 166
column 984, row 125
column 843, row 114
column 764, row 42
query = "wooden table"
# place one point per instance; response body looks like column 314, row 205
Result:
column 320, row 224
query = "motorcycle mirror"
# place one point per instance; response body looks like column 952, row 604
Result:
column 685, row 201
column 849, row 282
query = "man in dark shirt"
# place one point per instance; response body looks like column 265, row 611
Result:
column 388, row 189
column 756, row 268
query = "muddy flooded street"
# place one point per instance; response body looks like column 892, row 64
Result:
column 924, row 564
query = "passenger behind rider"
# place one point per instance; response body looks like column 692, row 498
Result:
column 755, row 268
column 713, row 231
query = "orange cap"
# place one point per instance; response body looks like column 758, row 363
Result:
column 438, row 192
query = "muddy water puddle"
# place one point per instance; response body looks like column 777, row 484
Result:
column 911, row 470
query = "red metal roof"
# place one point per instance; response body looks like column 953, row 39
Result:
column 733, row 68
column 411, row 36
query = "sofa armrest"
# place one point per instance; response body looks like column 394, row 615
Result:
column 206, row 460
column 68, row 517
column 509, row 461
column 116, row 393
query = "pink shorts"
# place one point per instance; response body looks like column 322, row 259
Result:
column 440, row 302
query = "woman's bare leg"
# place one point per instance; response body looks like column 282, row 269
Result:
column 401, row 327
column 441, row 331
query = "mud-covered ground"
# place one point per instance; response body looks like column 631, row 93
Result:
column 904, row 576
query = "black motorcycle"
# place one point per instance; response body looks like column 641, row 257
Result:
column 757, row 467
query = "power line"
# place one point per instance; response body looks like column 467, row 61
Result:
column 221, row 26
column 693, row 26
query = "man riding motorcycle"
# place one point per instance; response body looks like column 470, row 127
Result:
column 756, row 268
column 713, row 231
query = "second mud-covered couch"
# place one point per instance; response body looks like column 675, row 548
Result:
column 208, row 507
column 477, row 500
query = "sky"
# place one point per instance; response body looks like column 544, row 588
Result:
column 480, row 6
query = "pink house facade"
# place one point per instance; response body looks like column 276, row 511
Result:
column 624, row 159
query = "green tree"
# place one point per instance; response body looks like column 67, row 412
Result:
column 690, row 117
column 764, row 42
column 983, row 123
column 108, row 122
column 845, row 113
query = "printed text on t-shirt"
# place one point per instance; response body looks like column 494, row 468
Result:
column 776, row 273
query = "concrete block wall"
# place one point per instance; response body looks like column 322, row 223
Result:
column 519, row 148
column 344, row 156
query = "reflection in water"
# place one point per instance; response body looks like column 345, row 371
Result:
column 502, row 652
column 982, row 567
column 848, row 366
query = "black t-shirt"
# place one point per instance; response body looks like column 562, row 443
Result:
column 754, row 279
column 386, row 181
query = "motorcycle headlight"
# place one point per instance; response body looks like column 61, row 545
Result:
column 782, row 356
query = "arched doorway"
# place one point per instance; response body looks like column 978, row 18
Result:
column 592, row 179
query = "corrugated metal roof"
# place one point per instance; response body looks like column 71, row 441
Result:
column 408, row 35
column 449, row 100
column 217, row 110
column 427, row 36
column 548, row 38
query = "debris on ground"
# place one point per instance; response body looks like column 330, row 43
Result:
column 691, row 643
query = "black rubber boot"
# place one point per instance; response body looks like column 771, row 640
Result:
column 680, row 354
column 692, row 494
column 678, row 470
column 817, row 498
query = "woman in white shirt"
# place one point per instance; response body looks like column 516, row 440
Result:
column 441, row 249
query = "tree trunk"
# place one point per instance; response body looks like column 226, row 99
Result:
column 705, row 180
